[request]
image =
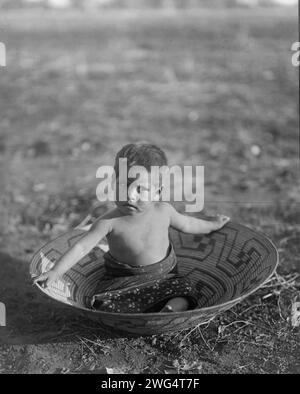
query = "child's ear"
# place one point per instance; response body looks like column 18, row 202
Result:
column 159, row 191
column 157, row 194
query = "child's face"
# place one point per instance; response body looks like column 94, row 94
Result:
column 140, row 193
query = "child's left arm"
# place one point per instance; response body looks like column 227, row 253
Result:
column 191, row 225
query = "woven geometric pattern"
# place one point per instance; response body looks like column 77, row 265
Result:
column 224, row 267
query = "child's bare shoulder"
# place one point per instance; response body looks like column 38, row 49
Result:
column 110, row 215
column 168, row 210
column 164, row 208
column 107, row 218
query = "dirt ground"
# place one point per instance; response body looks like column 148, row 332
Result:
column 216, row 88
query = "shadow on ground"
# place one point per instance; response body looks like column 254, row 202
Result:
column 32, row 317
column 40, row 335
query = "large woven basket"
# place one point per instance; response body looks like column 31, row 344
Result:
column 224, row 266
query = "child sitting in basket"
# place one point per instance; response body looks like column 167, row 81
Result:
column 141, row 266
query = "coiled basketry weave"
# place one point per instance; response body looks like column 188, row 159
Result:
column 224, row 266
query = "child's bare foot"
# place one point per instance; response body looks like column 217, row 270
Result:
column 177, row 304
column 220, row 221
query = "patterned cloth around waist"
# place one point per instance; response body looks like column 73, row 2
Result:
column 134, row 289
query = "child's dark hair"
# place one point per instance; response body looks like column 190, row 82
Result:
column 141, row 154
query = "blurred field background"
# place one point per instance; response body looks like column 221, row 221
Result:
column 212, row 86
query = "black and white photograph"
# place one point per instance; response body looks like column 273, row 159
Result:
column 149, row 190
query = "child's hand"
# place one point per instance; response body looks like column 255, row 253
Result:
column 220, row 221
column 46, row 278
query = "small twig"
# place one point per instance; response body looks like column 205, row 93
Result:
column 250, row 307
column 193, row 329
column 235, row 314
column 281, row 281
column 104, row 348
column 231, row 333
column 237, row 321
column 189, row 333
column 268, row 295
column 178, row 333
column 244, row 366
column 279, row 307
column 210, row 348
column 83, row 341
column 238, row 329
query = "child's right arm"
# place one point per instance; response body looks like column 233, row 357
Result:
column 80, row 249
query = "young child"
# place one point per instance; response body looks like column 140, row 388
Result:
column 141, row 271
